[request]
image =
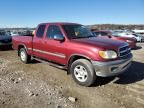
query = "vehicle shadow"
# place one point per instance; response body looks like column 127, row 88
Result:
column 100, row 81
column 134, row 74
column 34, row 62
column 137, row 48
column 5, row 48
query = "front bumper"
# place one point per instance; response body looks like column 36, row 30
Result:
column 112, row 68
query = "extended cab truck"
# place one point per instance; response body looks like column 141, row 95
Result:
column 76, row 49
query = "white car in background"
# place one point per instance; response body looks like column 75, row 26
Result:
column 142, row 37
column 130, row 35
column 14, row 33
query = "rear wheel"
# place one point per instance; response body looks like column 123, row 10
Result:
column 83, row 72
column 25, row 58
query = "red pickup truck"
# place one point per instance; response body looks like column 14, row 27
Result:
column 73, row 47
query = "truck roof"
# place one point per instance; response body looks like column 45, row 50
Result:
column 60, row 23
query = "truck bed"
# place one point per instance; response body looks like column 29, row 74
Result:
column 22, row 40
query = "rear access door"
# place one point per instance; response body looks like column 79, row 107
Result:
column 38, row 41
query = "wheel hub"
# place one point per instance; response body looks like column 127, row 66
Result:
column 80, row 73
column 23, row 56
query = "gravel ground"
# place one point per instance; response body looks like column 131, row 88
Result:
column 38, row 85
column 19, row 90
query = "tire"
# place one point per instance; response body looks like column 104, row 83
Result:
column 82, row 72
column 25, row 58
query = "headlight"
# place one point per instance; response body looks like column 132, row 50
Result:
column 128, row 41
column 108, row 54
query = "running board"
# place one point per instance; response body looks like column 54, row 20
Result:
column 49, row 63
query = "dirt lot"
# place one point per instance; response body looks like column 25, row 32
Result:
column 38, row 85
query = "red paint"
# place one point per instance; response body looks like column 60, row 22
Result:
column 130, row 41
column 86, row 47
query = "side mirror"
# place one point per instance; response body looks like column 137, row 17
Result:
column 58, row 37
column 109, row 36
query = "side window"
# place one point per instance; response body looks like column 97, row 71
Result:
column 52, row 31
column 104, row 33
column 40, row 31
column 97, row 33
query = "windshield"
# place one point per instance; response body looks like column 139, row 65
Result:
column 3, row 33
column 136, row 35
column 77, row 31
column 115, row 34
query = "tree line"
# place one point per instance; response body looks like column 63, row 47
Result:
column 116, row 27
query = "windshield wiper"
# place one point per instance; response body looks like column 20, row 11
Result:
column 82, row 37
column 91, row 36
column 78, row 37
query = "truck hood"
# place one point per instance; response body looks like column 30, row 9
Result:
column 2, row 37
column 101, row 42
column 125, row 38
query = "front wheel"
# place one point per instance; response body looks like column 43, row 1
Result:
column 83, row 72
column 25, row 58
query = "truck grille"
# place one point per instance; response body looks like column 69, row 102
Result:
column 124, row 51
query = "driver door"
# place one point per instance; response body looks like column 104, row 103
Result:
column 55, row 50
